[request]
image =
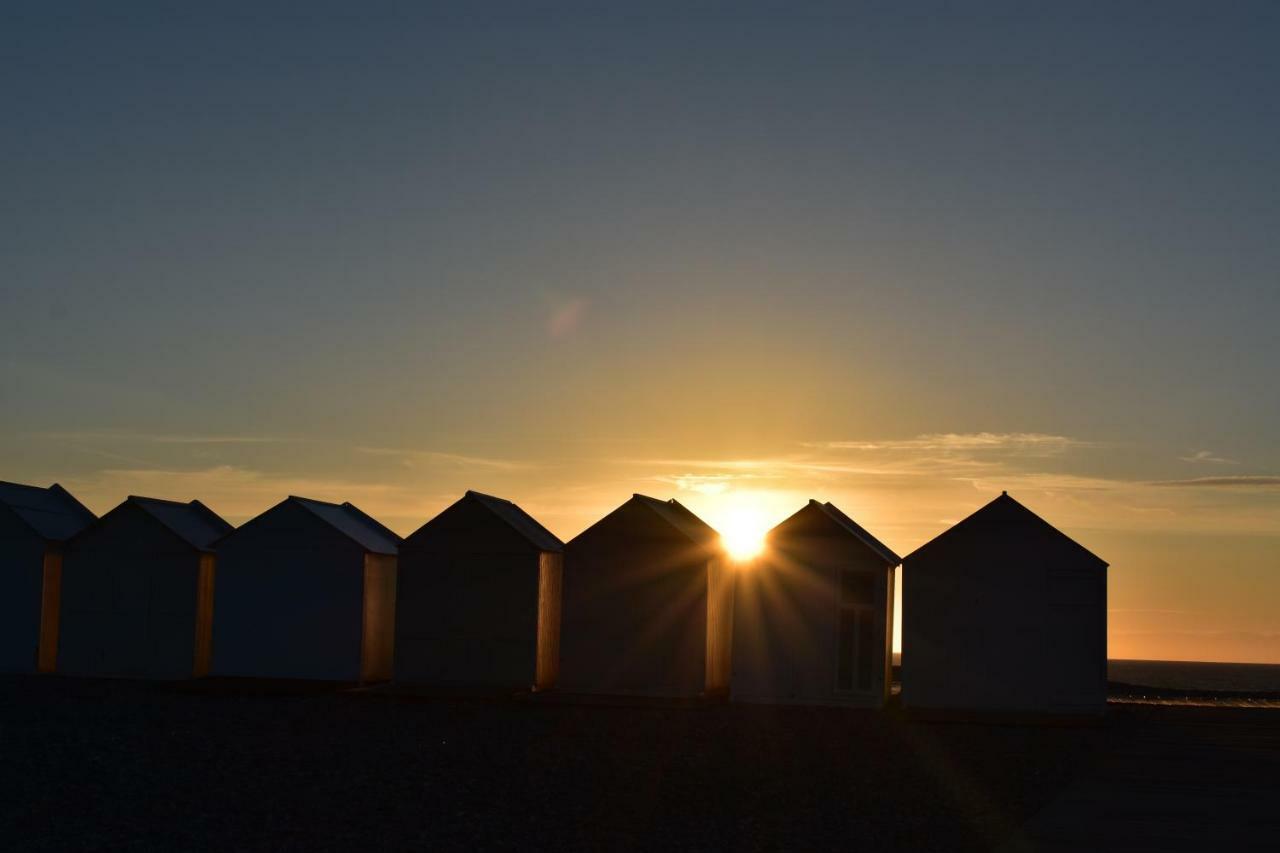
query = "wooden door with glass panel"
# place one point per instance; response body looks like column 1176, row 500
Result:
column 856, row 632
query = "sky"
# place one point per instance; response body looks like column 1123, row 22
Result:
column 895, row 256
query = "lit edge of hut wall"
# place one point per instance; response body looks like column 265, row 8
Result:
column 887, row 679
column 204, row 616
column 550, row 584
column 50, row 609
column 720, row 581
column 378, row 618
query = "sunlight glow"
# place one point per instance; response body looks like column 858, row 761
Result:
column 743, row 517
column 742, row 532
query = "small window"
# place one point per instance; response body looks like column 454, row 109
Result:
column 864, row 650
column 857, row 587
column 844, row 663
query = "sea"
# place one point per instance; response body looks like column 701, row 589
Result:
column 1201, row 681
column 1194, row 682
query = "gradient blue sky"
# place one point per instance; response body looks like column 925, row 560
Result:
column 898, row 256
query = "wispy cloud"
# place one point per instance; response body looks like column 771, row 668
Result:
column 1032, row 443
column 414, row 458
column 773, row 467
column 1242, row 481
column 1208, row 456
column 1045, row 482
column 705, row 485
column 711, row 484
column 983, row 459
column 239, row 493
column 1147, row 610
column 215, row 439
column 158, row 438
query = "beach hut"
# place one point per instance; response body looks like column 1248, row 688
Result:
column 306, row 590
column 137, row 591
column 813, row 614
column 34, row 522
column 478, row 598
column 648, row 604
column 1004, row 613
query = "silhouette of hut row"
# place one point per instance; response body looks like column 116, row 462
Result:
column 1001, row 612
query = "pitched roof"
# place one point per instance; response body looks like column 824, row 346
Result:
column 52, row 513
column 349, row 520
column 1002, row 511
column 680, row 517
column 193, row 522
column 524, row 524
column 859, row 532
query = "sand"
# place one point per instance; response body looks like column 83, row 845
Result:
column 140, row 766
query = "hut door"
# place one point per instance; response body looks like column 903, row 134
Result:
column 855, row 633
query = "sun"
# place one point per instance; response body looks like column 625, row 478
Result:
column 742, row 533
column 742, row 517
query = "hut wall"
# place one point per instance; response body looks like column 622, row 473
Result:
column 21, row 583
column 289, row 600
column 467, row 602
column 1012, row 625
column 1076, row 616
column 788, row 624
column 129, row 590
column 634, row 614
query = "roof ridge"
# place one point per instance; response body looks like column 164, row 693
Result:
column 685, row 516
column 474, row 494
column 484, row 499
column 158, row 500
column 369, row 519
column 59, row 489
column 23, row 485
column 56, row 509
column 1004, row 498
column 311, row 500
column 355, row 514
column 838, row 517
column 217, row 520
column 868, row 538
column 221, row 526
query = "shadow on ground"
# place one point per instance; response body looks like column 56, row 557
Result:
column 119, row 764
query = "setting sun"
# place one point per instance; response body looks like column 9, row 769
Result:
column 742, row 530
column 743, row 517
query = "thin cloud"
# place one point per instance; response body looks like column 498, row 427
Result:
column 106, row 454
column 774, row 468
column 159, row 438
column 1208, row 456
column 412, row 458
column 1035, row 443
column 1043, row 481
column 239, row 493
column 1147, row 610
column 709, row 484
column 1265, row 636
column 704, row 485
column 215, row 439
column 1244, row 481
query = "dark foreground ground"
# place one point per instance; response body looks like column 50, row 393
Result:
column 137, row 766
